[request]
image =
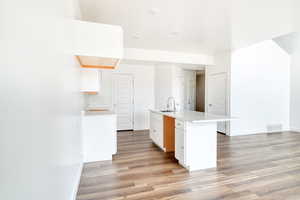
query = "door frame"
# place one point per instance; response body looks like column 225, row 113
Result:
column 227, row 95
column 133, row 94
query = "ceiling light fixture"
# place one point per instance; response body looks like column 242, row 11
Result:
column 136, row 36
column 174, row 33
column 154, row 11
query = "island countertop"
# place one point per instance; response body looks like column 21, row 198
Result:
column 194, row 117
column 94, row 113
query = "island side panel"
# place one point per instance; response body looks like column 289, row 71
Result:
column 99, row 134
column 201, row 145
column 169, row 133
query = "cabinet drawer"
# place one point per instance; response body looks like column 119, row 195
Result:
column 155, row 116
column 152, row 134
column 179, row 124
column 156, row 129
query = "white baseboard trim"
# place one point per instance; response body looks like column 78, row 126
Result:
column 295, row 129
column 259, row 132
column 77, row 182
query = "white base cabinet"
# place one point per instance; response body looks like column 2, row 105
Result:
column 196, row 145
column 179, row 146
column 157, row 129
column 195, row 142
column 99, row 134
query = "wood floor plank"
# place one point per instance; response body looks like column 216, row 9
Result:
column 251, row 167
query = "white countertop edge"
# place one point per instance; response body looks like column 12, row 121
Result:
column 207, row 121
column 95, row 113
column 173, row 114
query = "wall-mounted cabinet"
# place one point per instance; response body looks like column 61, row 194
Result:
column 90, row 81
column 98, row 62
column 97, row 45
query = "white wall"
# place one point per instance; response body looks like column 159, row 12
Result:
column 295, row 89
column 296, row 15
column 178, row 81
column 295, row 71
column 169, row 82
column 260, row 89
column 143, row 91
column 163, row 85
column 40, row 146
column 167, row 56
column 258, row 20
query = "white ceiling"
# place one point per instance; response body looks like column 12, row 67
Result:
column 288, row 42
column 193, row 26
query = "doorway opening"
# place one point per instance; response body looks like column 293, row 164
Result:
column 200, row 91
column 194, row 90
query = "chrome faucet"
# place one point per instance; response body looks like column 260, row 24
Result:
column 171, row 103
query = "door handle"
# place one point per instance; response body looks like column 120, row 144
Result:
column 210, row 105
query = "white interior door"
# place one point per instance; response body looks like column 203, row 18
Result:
column 216, row 99
column 123, row 100
column 190, row 90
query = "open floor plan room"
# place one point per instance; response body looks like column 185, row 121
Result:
column 150, row 100
column 254, row 167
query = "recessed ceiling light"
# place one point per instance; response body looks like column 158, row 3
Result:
column 136, row 36
column 154, row 11
column 174, row 33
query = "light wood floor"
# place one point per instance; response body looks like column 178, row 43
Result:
column 264, row 166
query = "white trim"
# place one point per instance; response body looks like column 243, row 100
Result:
column 295, row 129
column 259, row 132
column 77, row 182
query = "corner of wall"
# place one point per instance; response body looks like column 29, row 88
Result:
column 295, row 129
column 77, row 181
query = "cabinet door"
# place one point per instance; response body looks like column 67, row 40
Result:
column 156, row 129
column 152, row 128
column 89, row 81
column 160, row 133
column 179, row 145
column 151, row 134
column 154, row 134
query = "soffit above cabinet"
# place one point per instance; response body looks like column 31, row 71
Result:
column 97, row 45
column 98, row 62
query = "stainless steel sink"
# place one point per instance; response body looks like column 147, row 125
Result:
column 166, row 111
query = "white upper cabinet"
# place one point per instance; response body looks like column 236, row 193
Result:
column 90, row 81
column 96, row 44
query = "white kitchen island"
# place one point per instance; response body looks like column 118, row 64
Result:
column 195, row 136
